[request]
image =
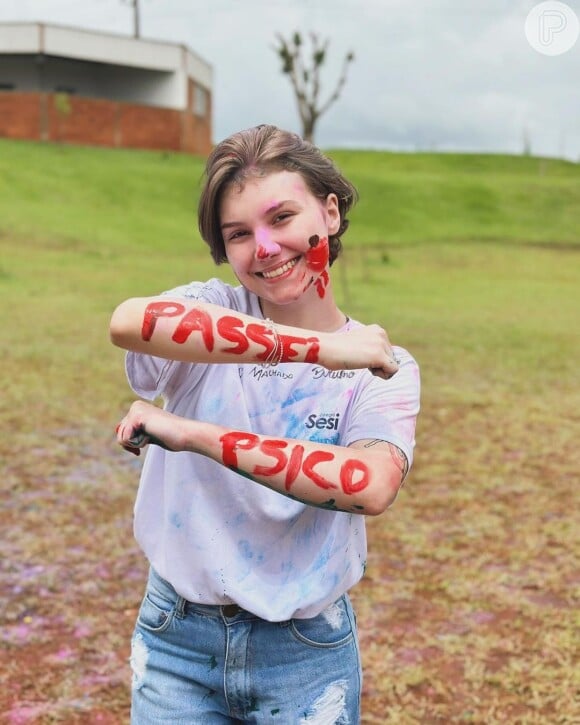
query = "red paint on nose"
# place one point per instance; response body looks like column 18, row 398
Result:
column 262, row 252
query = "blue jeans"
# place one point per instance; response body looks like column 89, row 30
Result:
column 192, row 663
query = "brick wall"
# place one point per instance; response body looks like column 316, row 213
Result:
column 150, row 128
column 99, row 122
column 73, row 119
column 20, row 115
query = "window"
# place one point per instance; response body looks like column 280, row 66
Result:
column 199, row 101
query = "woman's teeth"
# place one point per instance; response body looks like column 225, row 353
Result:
column 280, row 270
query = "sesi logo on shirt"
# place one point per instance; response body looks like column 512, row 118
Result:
column 327, row 421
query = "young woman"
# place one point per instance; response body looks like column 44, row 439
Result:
column 284, row 424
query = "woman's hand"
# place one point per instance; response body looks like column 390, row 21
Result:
column 364, row 347
column 146, row 423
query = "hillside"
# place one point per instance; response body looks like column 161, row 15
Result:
column 119, row 198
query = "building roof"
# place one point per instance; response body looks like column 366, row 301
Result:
column 99, row 47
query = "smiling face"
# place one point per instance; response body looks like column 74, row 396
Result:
column 276, row 236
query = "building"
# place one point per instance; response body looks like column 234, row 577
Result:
column 78, row 86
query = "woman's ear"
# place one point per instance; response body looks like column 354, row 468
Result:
column 332, row 214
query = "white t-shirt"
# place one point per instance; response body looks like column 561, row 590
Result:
column 218, row 537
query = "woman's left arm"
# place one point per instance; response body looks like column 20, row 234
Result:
column 363, row 478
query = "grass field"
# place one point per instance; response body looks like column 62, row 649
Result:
column 469, row 610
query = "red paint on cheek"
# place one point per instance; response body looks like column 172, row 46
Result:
column 322, row 284
column 154, row 311
column 318, row 255
column 308, row 284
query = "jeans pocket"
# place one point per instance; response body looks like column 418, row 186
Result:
column 156, row 612
column 331, row 628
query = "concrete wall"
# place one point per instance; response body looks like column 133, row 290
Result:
column 95, row 80
column 106, row 48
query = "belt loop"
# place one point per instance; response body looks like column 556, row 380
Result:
column 180, row 606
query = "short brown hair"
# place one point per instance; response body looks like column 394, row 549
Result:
column 264, row 149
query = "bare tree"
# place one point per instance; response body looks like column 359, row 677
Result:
column 305, row 77
column 136, row 16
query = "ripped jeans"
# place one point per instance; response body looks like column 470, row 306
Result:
column 194, row 664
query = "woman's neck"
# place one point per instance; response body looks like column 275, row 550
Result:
column 310, row 312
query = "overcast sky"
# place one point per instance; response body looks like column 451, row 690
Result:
column 428, row 74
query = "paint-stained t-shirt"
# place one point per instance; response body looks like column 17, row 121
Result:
column 218, row 537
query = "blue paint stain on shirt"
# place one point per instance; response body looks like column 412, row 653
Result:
column 212, row 406
column 322, row 559
column 294, row 426
column 297, row 395
column 240, row 519
column 175, row 520
column 246, row 552
column 245, row 549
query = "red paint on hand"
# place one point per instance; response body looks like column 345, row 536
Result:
column 195, row 319
column 232, row 441
column 154, row 311
column 294, row 466
column 347, row 474
column 263, row 336
column 308, row 467
column 272, row 448
column 354, row 475
column 227, row 327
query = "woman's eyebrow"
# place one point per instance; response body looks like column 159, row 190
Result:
column 278, row 204
column 230, row 224
column 272, row 208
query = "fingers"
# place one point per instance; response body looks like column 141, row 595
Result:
column 133, row 432
column 131, row 437
column 389, row 367
column 139, row 439
column 385, row 372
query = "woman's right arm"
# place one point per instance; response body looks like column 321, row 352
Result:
column 192, row 331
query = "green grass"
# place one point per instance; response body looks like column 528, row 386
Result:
column 97, row 198
column 456, row 197
column 108, row 199
column 472, row 262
